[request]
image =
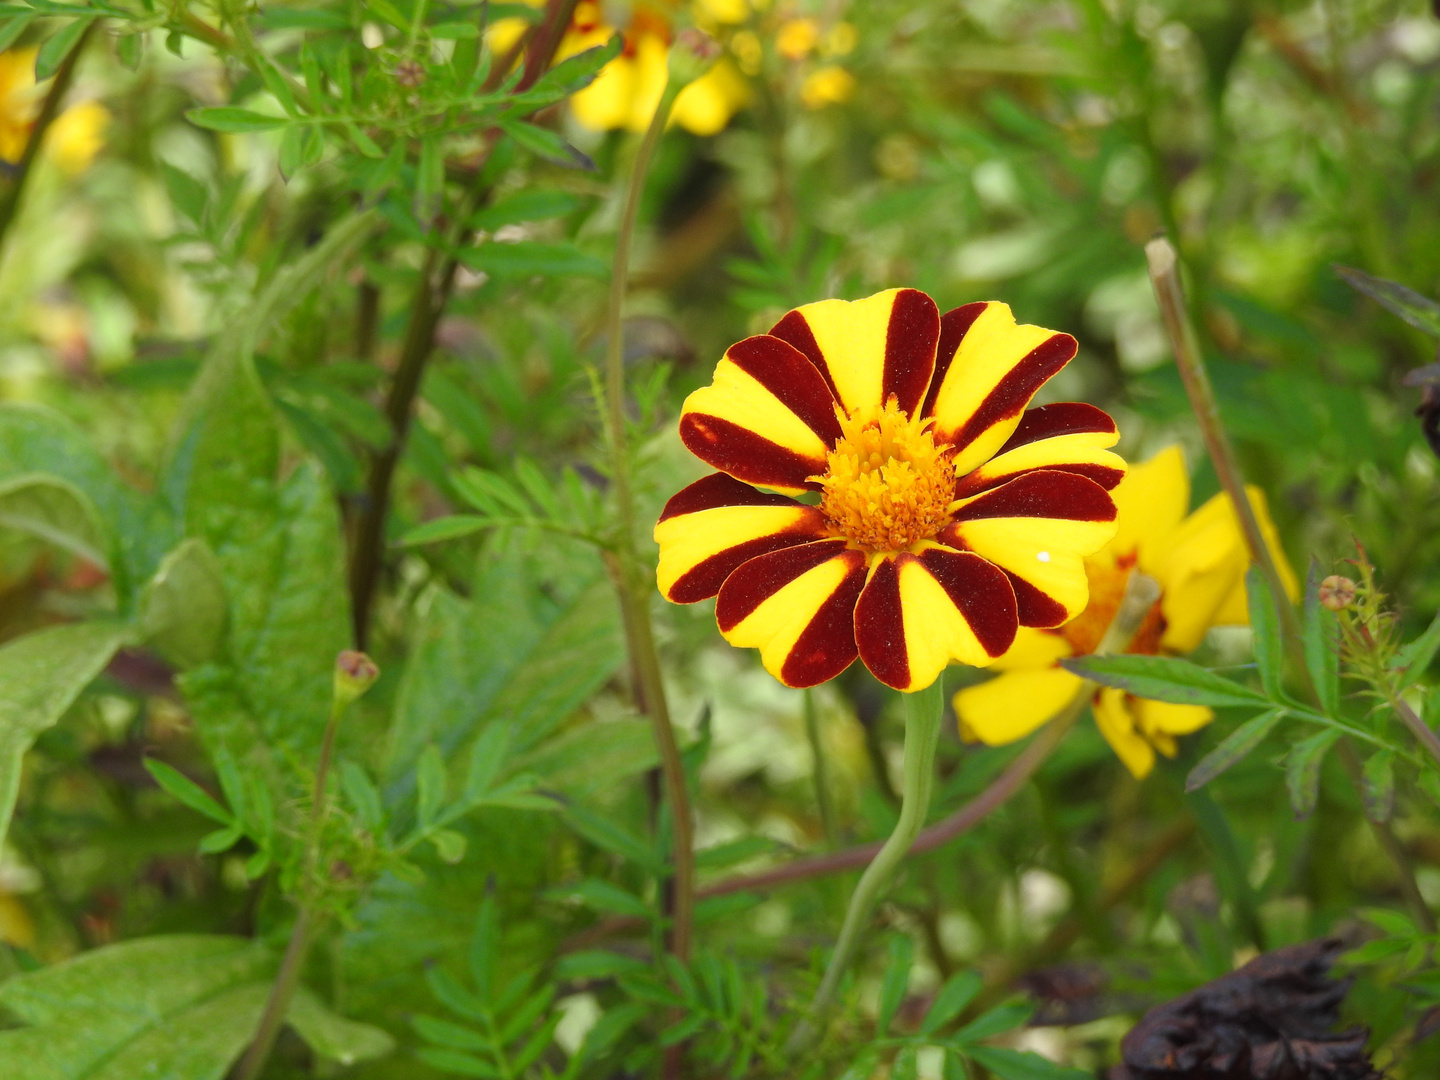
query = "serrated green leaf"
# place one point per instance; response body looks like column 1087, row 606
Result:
column 452, row 527
column 1232, row 749
column 1265, row 627
column 1419, row 311
column 1163, row 678
column 1322, row 644
column 1302, row 770
column 232, row 120
column 1009, row 1064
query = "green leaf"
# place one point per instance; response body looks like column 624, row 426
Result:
column 1302, row 770
column 1419, row 311
column 959, row 990
column 220, row 840
column 587, row 758
column 57, row 512
column 546, row 144
column 1265, row 624
column 487, row 757
column 187, row 791
column 998, row 1020
column 1379, row 788
column 57, row 46
column 735, row 851
column 1163, row 678
column 232, row 120
column 129, row 50
column 609, row 835
column 603, row 896
column 431, row 782
column 333, row 1037
column 532, row 205
column 1413, row 658
column 446, row 528
column 598, row 964
column 41, row 675
column 1232, row 749
column 172, row 1006
column 362, row 795
column 301, row 146
column 183, row 608
column 1322, row 644
column 430, row 182
column 568, row 76
column 188, row 195
column 1009, row 1064
column 458, row 1062
column 449, row 845
column 528, row 259
column 12, row 30
column 895, row 982
column 450, row 1034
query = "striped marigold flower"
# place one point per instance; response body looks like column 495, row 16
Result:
column 884, row 491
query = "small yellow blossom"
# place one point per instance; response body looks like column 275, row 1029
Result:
column 1199, row 562
column 829, row 85
column 75, row 136
column 796, row 38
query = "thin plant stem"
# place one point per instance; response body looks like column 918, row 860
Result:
column 307, row 922
column 820, row 769
column 924, row 710
column 49, row 110
column 1189, row 360
column 633, row 587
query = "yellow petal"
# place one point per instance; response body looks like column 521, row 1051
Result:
column 77, row 136
column 706, row 105
column 605, row 104
column 1157, row 718
column 1151, row 501
column 651, row 73
column 1013, row 704
column 1114, row 719
column 1033, row 649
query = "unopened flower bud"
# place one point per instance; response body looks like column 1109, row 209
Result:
column 692, row 54
column 409, row 73
column 354, row 674
column 1337, row 593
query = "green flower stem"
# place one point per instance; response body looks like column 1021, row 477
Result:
column 823, row 800
column 924, row 710
column 1190, row 361
column 49, row 110
column 307, row 922
column 633, row 585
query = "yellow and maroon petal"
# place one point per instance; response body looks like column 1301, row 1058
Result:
column 797, row 606
column 1070, row 436
column 1038, row 528
column 987, row 370
column 718, row 523
column 868, row 350
column 920, row 611
column 767, row 418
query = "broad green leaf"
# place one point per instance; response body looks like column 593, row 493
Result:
column 1009, row 1064
column 1265, row 626
column 1322, row 644
column 1413, row 658
column 1164, row 678
column 451, row 527
column 183, row 608
column 57, row 512
column 1379, row 788
column 1302, row 770
column 232, row 120
column 362, row 796
column 41, row 674
column 1232, row 749
column 895, row 982
column 959, row 990
column 1419, row 311
column 533, row 205
column 187, row 791
column 56, row 47
column 529, row 259
column 333, row 1037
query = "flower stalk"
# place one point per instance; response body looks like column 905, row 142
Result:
column 823, row 801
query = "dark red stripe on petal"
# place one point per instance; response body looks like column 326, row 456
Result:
column 1033, row 607
column 981, row 592
column 880, row 626
column 717, row 490
column 910, row 342
column 1061, row 418
column 792, row 378
column 1015, row 390
column 1103, row 475
column 826, row 647
column 1044, row 493
column 761, row 578
column 704, row 579
column 794, row 330
column 744, row 454
column 954, row 325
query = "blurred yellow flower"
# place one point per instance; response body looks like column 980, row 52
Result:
column 829, row 85
column 796, row 38
column 74, row 138
column 1199, row 562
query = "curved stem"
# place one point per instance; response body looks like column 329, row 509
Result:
column 821, row 771
column 923, row 712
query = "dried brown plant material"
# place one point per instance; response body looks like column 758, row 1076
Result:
column 1271, row 1020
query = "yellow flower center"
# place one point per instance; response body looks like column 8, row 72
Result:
column 888, row 484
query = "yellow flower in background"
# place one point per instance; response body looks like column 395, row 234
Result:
column 1199, row 562
column 796, row 38
column 829, row 85
column 74, row 138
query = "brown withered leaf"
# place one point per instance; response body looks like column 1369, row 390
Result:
column 1271, row 1020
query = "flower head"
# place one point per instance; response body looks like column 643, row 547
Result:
column 1198, row 560
column 949, row 514
column 75, row 136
